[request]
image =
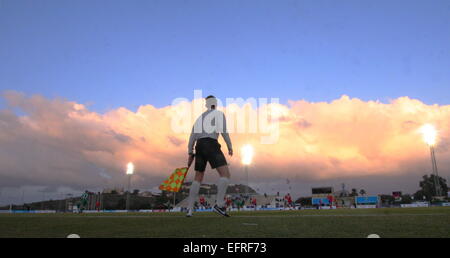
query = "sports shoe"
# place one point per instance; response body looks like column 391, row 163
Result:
column 189, row 213
column 220, row 211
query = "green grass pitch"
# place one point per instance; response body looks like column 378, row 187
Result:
column 358, row 223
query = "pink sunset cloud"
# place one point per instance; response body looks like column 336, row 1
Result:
column 61, row 142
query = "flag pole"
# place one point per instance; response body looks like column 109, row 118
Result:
column 174, row 200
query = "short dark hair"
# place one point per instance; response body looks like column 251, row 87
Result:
column 210, row 97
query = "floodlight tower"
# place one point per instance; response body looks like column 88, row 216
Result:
column 429, row 136
column 247, row 155
column 130, row 171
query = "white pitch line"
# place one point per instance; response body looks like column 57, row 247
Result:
column 250, row 216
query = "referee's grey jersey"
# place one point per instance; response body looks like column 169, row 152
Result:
column 209, row 125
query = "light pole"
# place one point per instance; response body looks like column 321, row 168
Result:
column 435, row 171
column 246, row 175
column 429, row 136
column 247, row 156
column 130, row 171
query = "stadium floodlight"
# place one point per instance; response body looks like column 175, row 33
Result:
column 247, row 156
column 130, row 172
column 130, row 168
column 429, row 133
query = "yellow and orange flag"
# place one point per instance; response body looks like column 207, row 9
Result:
column 175, row 181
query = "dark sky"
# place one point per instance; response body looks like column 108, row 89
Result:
column 130, row 53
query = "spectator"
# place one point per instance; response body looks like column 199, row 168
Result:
column 229, row 203
column 289, row 199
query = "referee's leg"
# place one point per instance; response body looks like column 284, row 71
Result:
column 222, row 185
column 193, row 192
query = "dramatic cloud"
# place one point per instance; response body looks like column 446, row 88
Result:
column 54, row 142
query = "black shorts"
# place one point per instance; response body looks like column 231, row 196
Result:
column 208, row 150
